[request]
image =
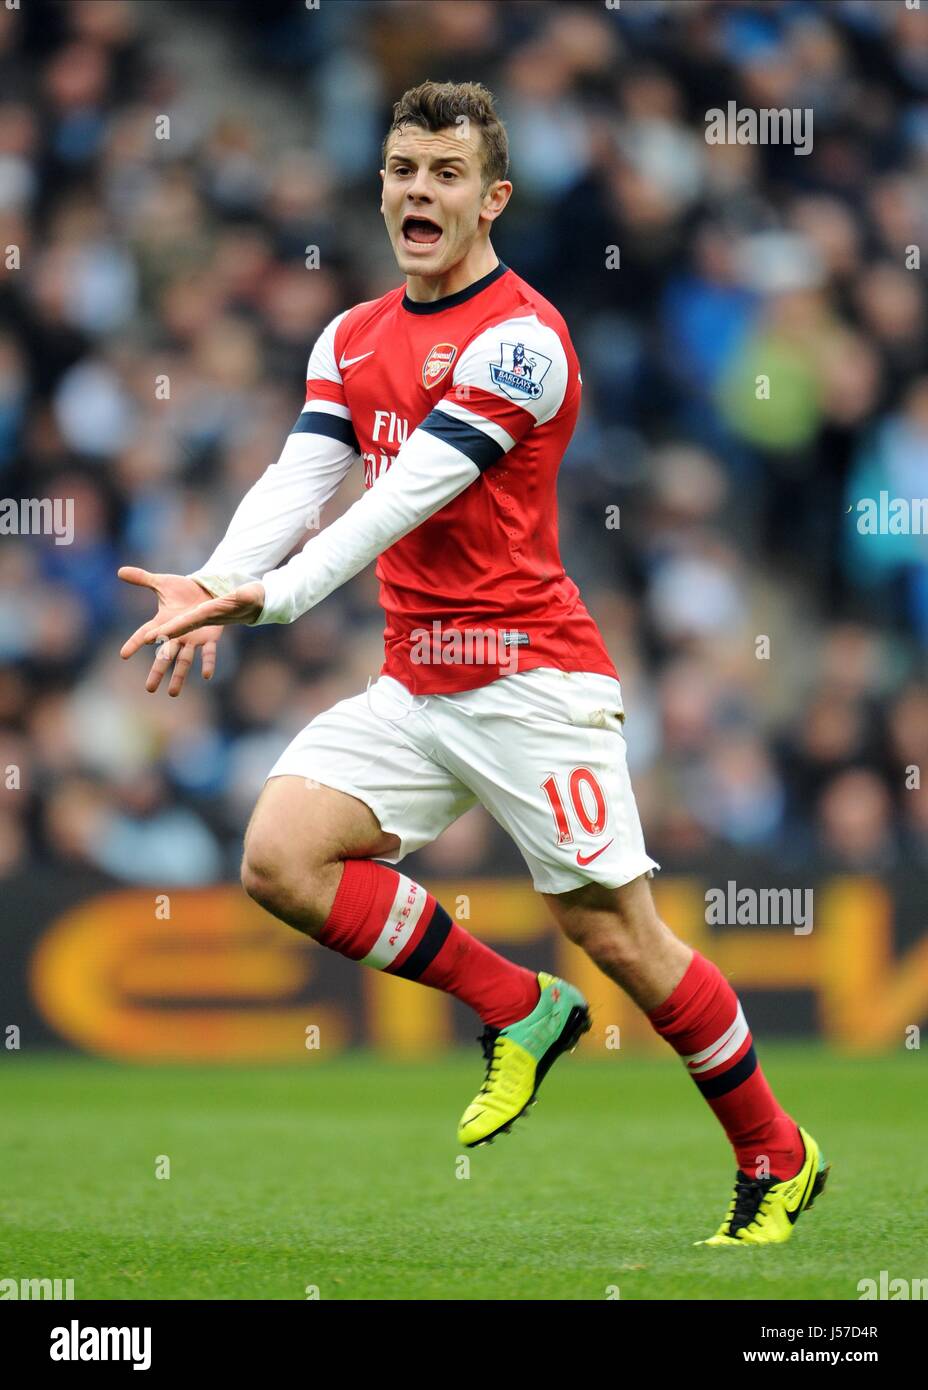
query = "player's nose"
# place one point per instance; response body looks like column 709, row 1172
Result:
column 420, row 192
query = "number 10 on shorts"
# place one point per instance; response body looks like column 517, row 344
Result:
column 583, row 788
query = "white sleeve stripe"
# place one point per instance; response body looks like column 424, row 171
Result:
column 322, row 363
column 327, row 408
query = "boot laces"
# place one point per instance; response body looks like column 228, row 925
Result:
column 488, row 1040
column 748, row 1200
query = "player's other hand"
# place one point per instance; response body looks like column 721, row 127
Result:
column 177, row 597
column 243, row 605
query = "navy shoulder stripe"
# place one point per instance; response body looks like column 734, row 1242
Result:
column 477, row 446
column 332, row 426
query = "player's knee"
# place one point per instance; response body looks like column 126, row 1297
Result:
column 285, row 874
column 270, row 878
column 260, row 880
column 617, row 928
column 609, row 943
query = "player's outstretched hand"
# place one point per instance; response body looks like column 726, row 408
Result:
column 243, row 605
column 177, row 596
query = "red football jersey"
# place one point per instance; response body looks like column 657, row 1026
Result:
column 490, row 371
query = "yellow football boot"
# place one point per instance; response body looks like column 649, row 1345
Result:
column 519, row 1056
column 763, row 1211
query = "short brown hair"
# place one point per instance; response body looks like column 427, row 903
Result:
column 437, row 105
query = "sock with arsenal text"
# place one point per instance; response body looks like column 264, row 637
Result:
column 703, row 1021
column 384, row 919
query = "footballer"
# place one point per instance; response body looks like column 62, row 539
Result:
column 459, row 392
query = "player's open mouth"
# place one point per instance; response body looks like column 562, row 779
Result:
column 420, row 231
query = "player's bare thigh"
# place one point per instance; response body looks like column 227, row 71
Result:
column 296, row 840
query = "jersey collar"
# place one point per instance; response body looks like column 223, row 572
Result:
column 435, row 306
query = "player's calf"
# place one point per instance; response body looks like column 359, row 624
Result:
column 691, row 1005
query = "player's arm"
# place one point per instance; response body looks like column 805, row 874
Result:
column 271, row 517
column 286, row 499
column 469, row 431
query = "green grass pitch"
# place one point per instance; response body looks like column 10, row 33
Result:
column 342, row 1175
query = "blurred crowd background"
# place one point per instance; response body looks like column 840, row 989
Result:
column 185, row 256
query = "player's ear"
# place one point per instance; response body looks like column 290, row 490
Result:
column 495, row 199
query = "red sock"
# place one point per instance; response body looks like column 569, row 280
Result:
column 703, row 1021
column 385, row 920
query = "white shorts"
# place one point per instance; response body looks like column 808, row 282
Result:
column 542, row 750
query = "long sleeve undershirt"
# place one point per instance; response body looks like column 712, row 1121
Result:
column 276, row 511
column 425, row 475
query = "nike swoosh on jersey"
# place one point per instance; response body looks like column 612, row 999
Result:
column 350, row 361
column 583, row 859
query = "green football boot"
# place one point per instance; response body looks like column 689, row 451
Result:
column 519, row 1057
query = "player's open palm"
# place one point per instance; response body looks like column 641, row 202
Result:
column 176, row 596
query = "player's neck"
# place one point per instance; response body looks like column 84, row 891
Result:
column 478, row 262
